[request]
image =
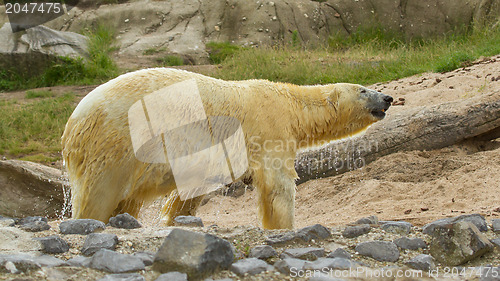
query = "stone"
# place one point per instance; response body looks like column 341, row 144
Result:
column 123, row 277
column 124, row 221
column 457, row 243
column 356, row 230
column 18, row 263
column 250, row 266
column 379, row 250
column 496, row 242
column 96, row 241
column 29, row 189
column 81, row 226
column 6, row 222
column 146, row 257
column 27, row 220
column 422, row 262
column 330, row 263
column 114, row 262
column 263, row 252
column 495, row 225
column 339, row 253
column 188, row 221
column 286, row 265
column 49, row 261
column 398, row 227
column 309, row 253
column 477, row 219
column 172, row 276
column 368, row 220
column 53, row 244
column 306, row 234
column 489, row 273
column 35, row 226
column 15, row 240
column 410, row 243
column 194, row 253
column 79, row 261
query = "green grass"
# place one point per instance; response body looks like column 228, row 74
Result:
column 170, row 60
column 33, row 129
column 38, row 94
column 153, row 50
column 364, row 58
column 220, row 51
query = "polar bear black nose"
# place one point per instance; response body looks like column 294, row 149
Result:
column 388, row 99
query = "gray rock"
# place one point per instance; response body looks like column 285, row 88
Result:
column 330, row 263
column 496, row 242
column 172, row 276
column 18, row 263
column 306, row 234
column 35, row 226
column 96, row 241
column 339, row 253
column 368, row 220
column 49, row 261
column 53, row 244
column 398, row 227
column 194, row 253
column 123, row 277
column 28, row 220
column 477, row 219
column 285, row 265
column 81, row 226
column 379, row 250
column 79, row 261
column 421, row 262
column 410, row 243
column 6, row 222
column 457, row 243
column 146, row 257
column 263, row 252
column 356, row 230
column 489, row 273
column 124, row 221
column 14, row 240
column 282, row 238
column 495, row 225
column 250, row 266
column 309, row 253
column 114, row 262
column 188, row 221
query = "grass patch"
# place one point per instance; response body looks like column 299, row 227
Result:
column 170, row 60
column 33, row 130
column 38, row 94
column 365, row 58
column 152, row 51
column 220, row 51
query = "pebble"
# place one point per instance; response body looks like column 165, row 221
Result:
column 339, row 253
column 263, row 252
column 476, row 219
column 309, row 253
column 123, row 277
column 410, row 243
column 81, row 226
column 53, row 244
column 124, row 221
column 356, row 230
column 250, row 266
column 285, row 265
column 398, row 227
column 80, row 261
column 330, row 263
column 33, row 224
column 146, row 257
column 172, row 276
column 96, row 241
column 49, row 261
column 421, row 262
column 368, row 220
column 114, row 262
column 306, row 234
column 188, row 221
column 496, row 242
column 495, row 225
column 18, row 263
column 379, row 250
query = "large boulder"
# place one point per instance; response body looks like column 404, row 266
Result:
column 30, row 189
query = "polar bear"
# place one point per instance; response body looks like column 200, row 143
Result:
column 277, row 120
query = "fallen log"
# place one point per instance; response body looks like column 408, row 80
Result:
column 418, row 128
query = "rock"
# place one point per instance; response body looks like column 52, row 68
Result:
column 339, row 253
column 81, row 226
column 188, row 221
column 421, row 262
column 18, row 263
column 124, row 221
column 489, row 273
column 27, row 220
column 194, row 253
column 355, row 231
column 285, row 266
column 368, row 220
column 410, row 243
column 309, row 253
column 122, row 277
column 330, row 263
column 379, row 250
column 146, row 257
column 14, row 240
column 306, row 234
column 114, row 262
column 29, row 189
column 263, row 252
column 96, row 241
column 172, row 276
column 250, row 266
column 496, row 242
column 79, row 261
column 283, row 238
column 49, row 261
column 476, row 219
column 495, row 225
column 457, row 243
column 36, row 226
column 398, row 227
column 53, row 244
column 6, row 222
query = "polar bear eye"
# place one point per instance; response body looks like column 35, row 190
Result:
column 363, row 91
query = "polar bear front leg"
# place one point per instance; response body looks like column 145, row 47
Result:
column 176, row 207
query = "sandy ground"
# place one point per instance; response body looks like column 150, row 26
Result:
column 416, row 186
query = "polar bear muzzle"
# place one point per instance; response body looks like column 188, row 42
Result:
column 376, row 102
